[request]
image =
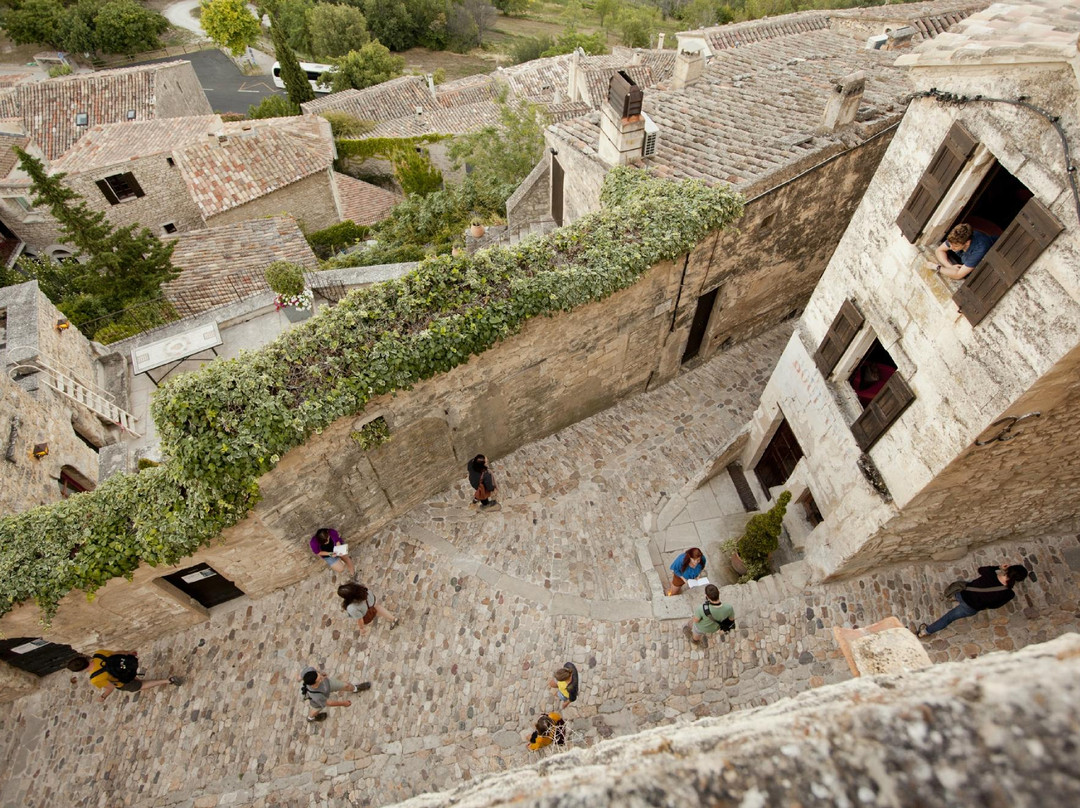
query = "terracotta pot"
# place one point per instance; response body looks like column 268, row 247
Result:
column 737, row 564
column 477, row 231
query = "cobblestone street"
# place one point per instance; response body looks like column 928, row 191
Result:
column 490, row 604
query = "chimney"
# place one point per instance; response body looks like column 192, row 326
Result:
column 688, row 69
column 622, row 126
column 900, row 39
column 660, row 41
column 841, row 107
column 572, row 92
column 430, row 83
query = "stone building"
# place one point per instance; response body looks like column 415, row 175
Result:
column 912, row 415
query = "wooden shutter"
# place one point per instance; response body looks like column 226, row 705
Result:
column 107, row 192
column 844, row 327
column 557, row 178
column 1022, row 242
column 951, row 155
column 136, row 189
column 886, row 407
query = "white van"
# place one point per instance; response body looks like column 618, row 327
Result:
column 313, row 70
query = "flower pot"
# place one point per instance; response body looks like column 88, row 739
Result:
column 295, row 315
column 477, row 231
column 737, row 564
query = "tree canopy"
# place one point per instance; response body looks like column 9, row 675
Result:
column 371, row 64
column 229, row 24
column 292, row 75
column 88, row 26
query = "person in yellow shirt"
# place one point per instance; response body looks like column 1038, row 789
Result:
column 550, row 729
column 565, row 681
column 116, row 670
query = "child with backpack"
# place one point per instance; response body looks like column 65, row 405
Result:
column 116, row 670
column 565, row 681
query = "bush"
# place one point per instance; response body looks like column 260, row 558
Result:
column 56, row 71
column 762, row 537
column 228, row 423
column 337, row 237
column 273, row 106
column 377, row 255
column 286, row 278
column 344, row 125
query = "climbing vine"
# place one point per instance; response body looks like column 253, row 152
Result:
column 225, row 425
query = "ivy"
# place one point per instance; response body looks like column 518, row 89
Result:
column 386, row 147
column 225, row 425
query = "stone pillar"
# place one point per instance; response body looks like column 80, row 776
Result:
column 621, row 139
column 844, row 103
column 688, row 69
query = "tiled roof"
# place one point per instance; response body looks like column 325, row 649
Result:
column 254, row 158
column 756, row 108
column 226, row 263
column 1035, row 30
column 454, row 121
column 928, row 18
column 12, row 79
column 567, row 110
column 109, row 144
column 537, row 80
column 49, row 108
column 8, row 158
column 396, row 98
column 363, row 202
column 7, row 104
column 469, row 90
column 598, row 79
column 723, row 37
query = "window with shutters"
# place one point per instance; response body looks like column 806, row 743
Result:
column 943, row 169
column 844, row 327
column 119, row 187
column 882, row 393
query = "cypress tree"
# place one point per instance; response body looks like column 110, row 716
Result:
column 295, row 79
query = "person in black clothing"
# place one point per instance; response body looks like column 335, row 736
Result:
column 991, row 590
column 480, row 473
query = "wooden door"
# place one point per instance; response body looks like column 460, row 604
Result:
column 779, row 459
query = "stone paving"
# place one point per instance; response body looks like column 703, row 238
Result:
column 490, row 605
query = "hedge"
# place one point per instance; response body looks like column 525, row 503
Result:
column 228, row 423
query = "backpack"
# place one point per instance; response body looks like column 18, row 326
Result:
column 726, row 625
column 121, row 667
column 572, row 687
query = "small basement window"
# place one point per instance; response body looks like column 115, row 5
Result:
column 871, row 374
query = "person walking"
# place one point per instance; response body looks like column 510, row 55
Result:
column 316, row 688
column 565, row 681
column 686, row 567
column 359, row 603
column 991, row 590
column 710, row 617
column 483, row 483
column 323, row 543
column 117, row 670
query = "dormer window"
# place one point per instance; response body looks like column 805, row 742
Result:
column 119, row 187
column 131, row 114
column 82, row 119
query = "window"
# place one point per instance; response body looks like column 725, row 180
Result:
column 871, row 374
column 169, row 227
column 82, row 119
column 779, row 459
column 882, row 392
column 170, row 161
column 844, row 327
column 23, row 203
column 119, row 187
column 131, row 114
column 951, row 156
column 810, row 509
column 73, row 482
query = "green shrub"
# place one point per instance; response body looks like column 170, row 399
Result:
column 337, row 237
column 344, row 125
column 228, row 423
column 146, row 463
column 377, row 255
column 273, row 106
column 762, row 537
column 286, row 278
column 60, row 70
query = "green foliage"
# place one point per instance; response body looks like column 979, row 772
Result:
column 637, row 26
column 291, row 17
column 403, row 24
column 146, row 463
column 525, row 49
column 762, row 537
column 370, row 65
column 336, row 30
column 344, row 125
column 416, row 174
column 337, row 237
column 36, row 21
column 56, row 71
column 438, row 77
column 286, row 278
column 294, row 78
column 377, row 255
column 372, row 435
column 229, row 422
column 512, row 8
column 112, row 26
column 229, row 24
column 571, row 40
column 606, row 10
column 467, row 22
column 273, row 106
column 123, row 26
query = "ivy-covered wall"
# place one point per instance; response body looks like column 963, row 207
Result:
column 464, row 334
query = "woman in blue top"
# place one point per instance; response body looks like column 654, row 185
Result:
column 686, row 567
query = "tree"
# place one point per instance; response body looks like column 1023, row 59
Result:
column 512, row 8
column 606, row 9
column 123, row 26
column 292, row 75
column 121, row 266
column 36, row 21
column 273, row 106
column 571, row 40
column 391, row 23
column 291, row 17
column 229, row 24
column 500, row 157
column 336, row 30
column 372, row 64
column 636, row 26
column 468, row 22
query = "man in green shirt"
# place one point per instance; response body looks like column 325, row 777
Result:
column 708, row 616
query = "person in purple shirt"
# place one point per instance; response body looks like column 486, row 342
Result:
column 323, row 543
column 967, row 244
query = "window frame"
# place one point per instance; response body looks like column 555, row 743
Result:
column 128, row 189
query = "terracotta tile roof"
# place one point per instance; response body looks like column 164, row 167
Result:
column 567, row 110
column 1035, row 30
column 254, row 158
column 928, row 18
column 49, row 108
column 363, row 202
column 109, row 144
column 7, row 105
column 756, row 108
column 454, row 121
column 736, row 35
column 537, row 80
column 12, row 79
column 396, row 98
column 597, row 80
column 469, row 90
column 226, row 263
column 8, row 158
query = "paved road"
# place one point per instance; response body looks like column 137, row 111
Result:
column 227, row 89
column 489, row 604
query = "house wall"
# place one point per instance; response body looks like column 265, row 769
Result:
column 963, row 377
column 310, row 201
column 36, row 228
column 583, row 177
column 531, row 202
column 166, row 198
column 178, row 93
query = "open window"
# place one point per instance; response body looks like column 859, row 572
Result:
column 72, row 481
column 119, row 187
column 882, row 392
column 872, row 374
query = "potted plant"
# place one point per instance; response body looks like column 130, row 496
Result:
column 286, row 279
column 477, row 230
column 750, row 558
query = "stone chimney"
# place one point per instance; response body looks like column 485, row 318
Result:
column 900, row 39
column 622, row 126
column 572, row 92
column 430, row 83
column 688, row 69
column 660, row 40
column 844, row 103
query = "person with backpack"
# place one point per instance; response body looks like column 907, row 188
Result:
column 565, row 681
column 483, row 483
column 117, row 670
column 991, row 590
column 710, row 617
column 550, row 728
column 316, row 687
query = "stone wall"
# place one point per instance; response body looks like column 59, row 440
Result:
column 310, row 201
column 166, row 199
column 531, row 202
column 1000, row 729
column 178, row 93
column 36, row 228
column 963, row 377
